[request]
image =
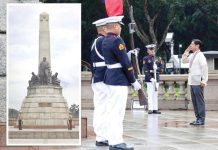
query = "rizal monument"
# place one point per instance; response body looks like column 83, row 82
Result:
column 44, row 105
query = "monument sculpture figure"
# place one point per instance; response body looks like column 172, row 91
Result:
column 44, row 72
column 34, row 80
column 55, row 80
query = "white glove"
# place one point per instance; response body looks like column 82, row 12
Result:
column 155, row 66
column 137, row 86
column 134, row 51
column 153, row 80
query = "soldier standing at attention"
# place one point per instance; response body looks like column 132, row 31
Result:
column 119, row 75
column 150, row 65
column 98, row 87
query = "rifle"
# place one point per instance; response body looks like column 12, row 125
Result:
column 142, row 98
column 86, row 64
column 155, row 71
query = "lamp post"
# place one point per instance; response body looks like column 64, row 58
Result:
column 169, row 41
column 180, row 56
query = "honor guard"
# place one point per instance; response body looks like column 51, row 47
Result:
column 119, row 75
column 98, row 87
column 150, row 67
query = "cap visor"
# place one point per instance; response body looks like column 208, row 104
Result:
column 121, row 23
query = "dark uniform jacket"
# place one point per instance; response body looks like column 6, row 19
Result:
column 148, row 62
column 96, row 57
column 114, row 52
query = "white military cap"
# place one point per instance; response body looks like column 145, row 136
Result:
column 114, row 19
column 100, row 22
column 150, row 46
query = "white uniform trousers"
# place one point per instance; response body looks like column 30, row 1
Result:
column 152, row 96
column 100, row 104
column 116, row 108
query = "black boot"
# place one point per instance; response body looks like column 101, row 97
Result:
column 156, row 112
column 198, row 122
column 121, row 146
column 150, row 112
column 102, row 143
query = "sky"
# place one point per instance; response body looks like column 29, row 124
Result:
column 23, row 48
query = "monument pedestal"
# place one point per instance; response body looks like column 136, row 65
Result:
column 44, row 107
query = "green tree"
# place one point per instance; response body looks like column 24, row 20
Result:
column 92, row 10
column 187, row 19
column 154, row 18
column 197, row 20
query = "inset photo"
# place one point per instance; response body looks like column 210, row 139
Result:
column 43, row 74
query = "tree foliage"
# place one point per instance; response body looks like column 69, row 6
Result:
column 198, row 19
column 187, row 19
column 154, row 18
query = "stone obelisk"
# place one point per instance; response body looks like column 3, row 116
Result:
column 44, row 38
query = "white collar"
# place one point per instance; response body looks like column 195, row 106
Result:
column 197, row 51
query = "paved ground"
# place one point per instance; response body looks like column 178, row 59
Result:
column 168, row 131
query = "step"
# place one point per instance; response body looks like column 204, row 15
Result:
column 43, row 134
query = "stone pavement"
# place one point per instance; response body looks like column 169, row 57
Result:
column 168, row 131
column 2, row 99
column 2, row 61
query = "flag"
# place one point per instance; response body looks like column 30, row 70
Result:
column 114, row 7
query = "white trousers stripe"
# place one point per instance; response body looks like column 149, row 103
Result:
column 100, row 105
column 152, row 96
column 116, row 107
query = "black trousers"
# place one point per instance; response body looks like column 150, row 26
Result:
column 197, row 95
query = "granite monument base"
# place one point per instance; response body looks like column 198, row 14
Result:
column 44, row 107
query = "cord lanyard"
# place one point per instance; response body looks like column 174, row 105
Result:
column 192, row 60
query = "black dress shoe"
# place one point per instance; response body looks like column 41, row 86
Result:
column 121, row 146
column 197, row 123
column 156, row 112
column 150, row 112
column 192, row 123
column 102, row 143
